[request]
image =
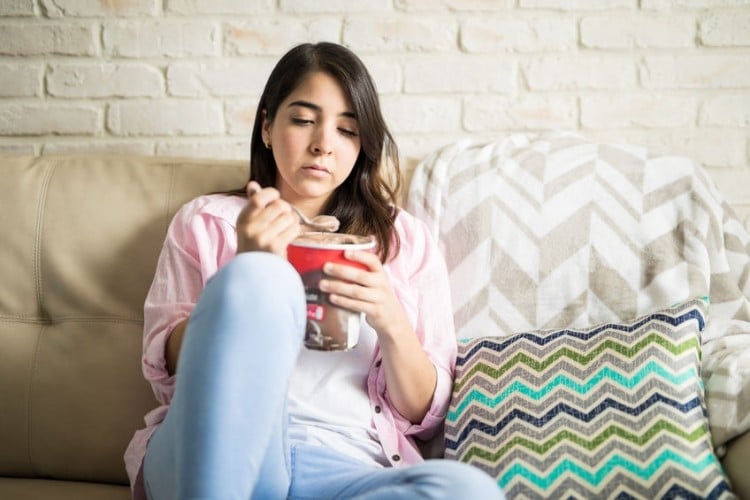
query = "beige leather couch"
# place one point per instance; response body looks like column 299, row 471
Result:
column 80, row 239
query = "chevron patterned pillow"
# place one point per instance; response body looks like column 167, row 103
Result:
column 614, row 410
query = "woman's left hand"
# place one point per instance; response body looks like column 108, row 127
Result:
column 410, row 375
column 367, row 291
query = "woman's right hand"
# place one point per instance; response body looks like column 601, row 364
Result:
column 267, row 223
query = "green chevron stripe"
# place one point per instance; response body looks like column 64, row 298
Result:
column 539, row 365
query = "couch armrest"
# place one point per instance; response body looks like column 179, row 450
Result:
column 735, row 465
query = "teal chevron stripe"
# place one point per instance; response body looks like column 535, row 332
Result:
column 605, row 374
column 595, row 477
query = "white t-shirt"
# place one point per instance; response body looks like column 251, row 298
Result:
column 328, row 403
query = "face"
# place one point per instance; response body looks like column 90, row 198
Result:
column 315, row 141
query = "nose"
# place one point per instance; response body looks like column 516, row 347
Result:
column 322, row 143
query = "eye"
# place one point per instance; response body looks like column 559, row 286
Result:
column 347, row 132
column 301, row 121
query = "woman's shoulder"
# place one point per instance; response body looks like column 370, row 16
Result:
column 411, row 230
column 416, row 243
column 220, row 206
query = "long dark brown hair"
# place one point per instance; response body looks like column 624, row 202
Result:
column 365, row 203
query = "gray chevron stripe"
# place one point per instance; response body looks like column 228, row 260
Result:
column 647, row 386
column 497, row 356
column 676, row 335
column 561, row 422
column 478, row 411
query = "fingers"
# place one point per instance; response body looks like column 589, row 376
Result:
column 267, row 222
column 251, row 188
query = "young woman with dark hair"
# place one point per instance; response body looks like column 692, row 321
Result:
column 247, row 411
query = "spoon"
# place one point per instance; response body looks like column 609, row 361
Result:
column 322, row 223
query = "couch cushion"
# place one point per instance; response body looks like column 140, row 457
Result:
column 40, row 489
column 611, row 410
column 81, row 239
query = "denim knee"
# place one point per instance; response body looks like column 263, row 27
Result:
column 255, row 291
column 450, row 479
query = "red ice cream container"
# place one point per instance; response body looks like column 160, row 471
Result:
column 329, row 328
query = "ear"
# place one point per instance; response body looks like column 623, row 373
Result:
column 265, row 128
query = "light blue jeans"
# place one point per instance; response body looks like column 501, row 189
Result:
column 224, row 436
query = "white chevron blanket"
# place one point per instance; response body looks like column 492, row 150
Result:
column 554, row 230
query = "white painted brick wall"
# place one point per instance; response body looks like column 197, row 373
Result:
column 182, row 77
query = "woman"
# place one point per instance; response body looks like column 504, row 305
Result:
column 247, row 411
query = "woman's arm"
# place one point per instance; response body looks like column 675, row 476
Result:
column 410, row 375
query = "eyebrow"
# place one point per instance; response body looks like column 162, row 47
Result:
column 315, row 107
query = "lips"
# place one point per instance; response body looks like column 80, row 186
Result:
column 317, row 169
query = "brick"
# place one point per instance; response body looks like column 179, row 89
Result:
column 387, row 74
column 696, row 71
column 638, row 110
column 101, row 8
column 420, row 145
column 162, row 39
column 400, row 34
column 21, row 80
column 459, row 74
column 577, row 4
column 692, row 4
column 490, row 34
column 730, row 29
column 710, row 147
column 199, row 7
column 226, row 78
column 732, row 182
column 240, row 116
column 453, row 5
column 104, row 80
column 531, row 112
column 17, row 8
column 49, row 119
column 96, row 147
column 726, row 111
column 226, row 149
column 580, row 72
column 33, row 39
column 422, row 114
column 165, row 117
column 626, row 31
column 334, row 6
column 267, row 36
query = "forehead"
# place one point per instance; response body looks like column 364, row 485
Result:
column 322, row 90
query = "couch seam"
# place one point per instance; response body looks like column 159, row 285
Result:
column 72, row 319
column 29, row 404
column 37, row 252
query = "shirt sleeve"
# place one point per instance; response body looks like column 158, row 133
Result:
column 196, row 245
column 427, row 297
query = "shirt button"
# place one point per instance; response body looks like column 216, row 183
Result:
column 377, row 409
column 396, row 458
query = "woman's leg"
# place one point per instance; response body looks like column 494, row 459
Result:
column 320, row 473
column 224, row 434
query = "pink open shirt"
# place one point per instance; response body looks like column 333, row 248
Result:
column 201, row 239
